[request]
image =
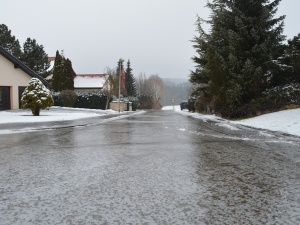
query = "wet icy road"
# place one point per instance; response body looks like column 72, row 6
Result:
column 154, row 168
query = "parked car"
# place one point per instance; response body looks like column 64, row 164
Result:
column 183, row 105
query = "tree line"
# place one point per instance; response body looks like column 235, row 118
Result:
column 31, row 54
column 243, row 64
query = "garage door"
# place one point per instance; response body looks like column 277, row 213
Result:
column 4, row 98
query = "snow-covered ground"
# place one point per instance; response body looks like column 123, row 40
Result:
column 25, row 116
column 287, row 121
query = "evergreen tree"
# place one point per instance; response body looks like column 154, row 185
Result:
column 236, row 60
column 69, row 75
column 130, row 83
column 58, row 73
column 200, row 76
column 9, row 42
column 35, row 57
column 36, row 97
column 291, row 62
column 63, row 74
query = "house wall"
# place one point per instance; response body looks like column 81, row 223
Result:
column 14, row 78
column 87, row 90
column 123, row 106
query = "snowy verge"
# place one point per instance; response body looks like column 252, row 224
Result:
column 56, row 114
column 53, row 114
column 286, row 121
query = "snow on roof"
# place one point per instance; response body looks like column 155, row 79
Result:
column 89, row 80
column 52, row 61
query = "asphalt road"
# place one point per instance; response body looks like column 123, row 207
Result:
column 159, row 167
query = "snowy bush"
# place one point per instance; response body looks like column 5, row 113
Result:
column 36, row 97
column 191, row 104
column 280, row 97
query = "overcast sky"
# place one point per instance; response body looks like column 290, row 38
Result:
column 154, row 34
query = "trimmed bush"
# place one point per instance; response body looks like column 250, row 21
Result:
column 91, row 100
column 68, row 98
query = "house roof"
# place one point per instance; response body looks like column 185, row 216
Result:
column 18, row 64
column 52, row 61
column 90, row 80
column 52, row 58
column 92, row 75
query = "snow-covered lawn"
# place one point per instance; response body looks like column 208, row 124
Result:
column 287, row 121
column 53, row 114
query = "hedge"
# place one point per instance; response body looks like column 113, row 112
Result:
column 88, row 100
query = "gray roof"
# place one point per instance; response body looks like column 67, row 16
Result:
column 18, row 64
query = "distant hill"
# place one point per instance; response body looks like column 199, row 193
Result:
column 175, row 80
column 175, row 91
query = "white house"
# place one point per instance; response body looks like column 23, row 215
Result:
column 14, row 78
column 85, row 82
column 90, row 82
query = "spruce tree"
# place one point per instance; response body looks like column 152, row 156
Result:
column 291, row 62
column 200, row 76
column 130, row 83
column 9, row 42
column 63, row 74
column 35, row 57
column 236, row 60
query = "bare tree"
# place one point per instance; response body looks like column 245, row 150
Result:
column 151, row 87
column 141, row 84
column 156, row 87
column 113, row 84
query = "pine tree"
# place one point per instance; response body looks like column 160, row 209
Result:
column 36, row 97
column 35, row 57
column 130, row 83
column 63, row 74
column 9, row 42
column 236, row 60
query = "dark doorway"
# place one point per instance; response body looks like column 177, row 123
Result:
column 21, row 90
column 5, row 98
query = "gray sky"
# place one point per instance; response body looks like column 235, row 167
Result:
column 154, row 34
